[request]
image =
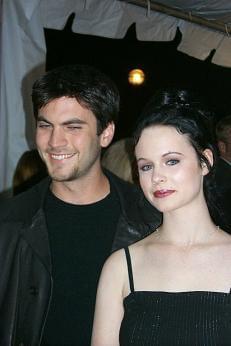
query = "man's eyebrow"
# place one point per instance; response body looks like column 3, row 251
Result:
column 74, row 121
column 67, row 122
column 42, row 118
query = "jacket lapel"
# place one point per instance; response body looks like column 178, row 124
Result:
column 35, row 229
column 36, row 236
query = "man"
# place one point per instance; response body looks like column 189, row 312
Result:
column 55, row 237
column 223, row 132
column 223, row 170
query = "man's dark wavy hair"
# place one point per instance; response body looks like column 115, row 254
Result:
column 89, row 86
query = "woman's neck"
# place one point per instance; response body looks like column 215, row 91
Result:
column 187, row 226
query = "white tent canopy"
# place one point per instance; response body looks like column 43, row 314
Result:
column 23, row 49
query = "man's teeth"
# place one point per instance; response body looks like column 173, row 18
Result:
column 61, row 157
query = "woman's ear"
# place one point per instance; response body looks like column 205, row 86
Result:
column 209, row 156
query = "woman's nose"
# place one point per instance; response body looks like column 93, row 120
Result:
column 158, row 177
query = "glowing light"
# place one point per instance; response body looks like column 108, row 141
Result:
column 136, row 77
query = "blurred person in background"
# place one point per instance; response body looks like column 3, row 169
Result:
column 223, row 170
column 223, row 167
column 119, row 159
column 29, row 170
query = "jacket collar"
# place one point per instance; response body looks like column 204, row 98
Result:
column 34, row 228
column 134, row 206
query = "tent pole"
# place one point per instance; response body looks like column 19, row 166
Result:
column 188, row 16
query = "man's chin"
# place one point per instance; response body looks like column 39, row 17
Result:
column 63, row 177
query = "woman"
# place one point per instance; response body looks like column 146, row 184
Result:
column 173, row 287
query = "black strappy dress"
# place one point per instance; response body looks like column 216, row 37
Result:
column 197, row 318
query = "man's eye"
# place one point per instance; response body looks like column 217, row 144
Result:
column 43, row 125
column 74, row 127
column 172, row 162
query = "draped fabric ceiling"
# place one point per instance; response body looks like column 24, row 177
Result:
column 205, row 26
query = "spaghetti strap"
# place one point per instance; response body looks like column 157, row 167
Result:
column 129, row 264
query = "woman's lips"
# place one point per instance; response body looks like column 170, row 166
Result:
column 163, row 193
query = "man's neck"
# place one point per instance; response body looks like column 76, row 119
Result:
column 84, row 190
column 226, row 160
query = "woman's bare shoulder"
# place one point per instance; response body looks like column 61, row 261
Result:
column 115, row 262
column 145, row 243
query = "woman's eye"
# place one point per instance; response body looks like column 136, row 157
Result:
column 145, row 168
column 172, row 162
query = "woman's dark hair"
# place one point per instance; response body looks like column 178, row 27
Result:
column 180, row 109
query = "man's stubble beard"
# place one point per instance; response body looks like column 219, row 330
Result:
column 77, row 172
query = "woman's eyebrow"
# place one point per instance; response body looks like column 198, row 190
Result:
column 172, row 152
column 164, row 155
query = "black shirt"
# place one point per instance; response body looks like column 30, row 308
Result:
column 81, row 239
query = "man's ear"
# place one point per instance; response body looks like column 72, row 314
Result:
column 107, row 135
column 209, row 156
column 222, row 147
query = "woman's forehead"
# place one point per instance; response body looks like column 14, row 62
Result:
column 162, row 138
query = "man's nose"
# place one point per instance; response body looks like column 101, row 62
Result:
column 57, row 138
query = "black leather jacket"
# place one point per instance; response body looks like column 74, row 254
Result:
column 25, row 260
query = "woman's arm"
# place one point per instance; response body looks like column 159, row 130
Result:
column 109, row 302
